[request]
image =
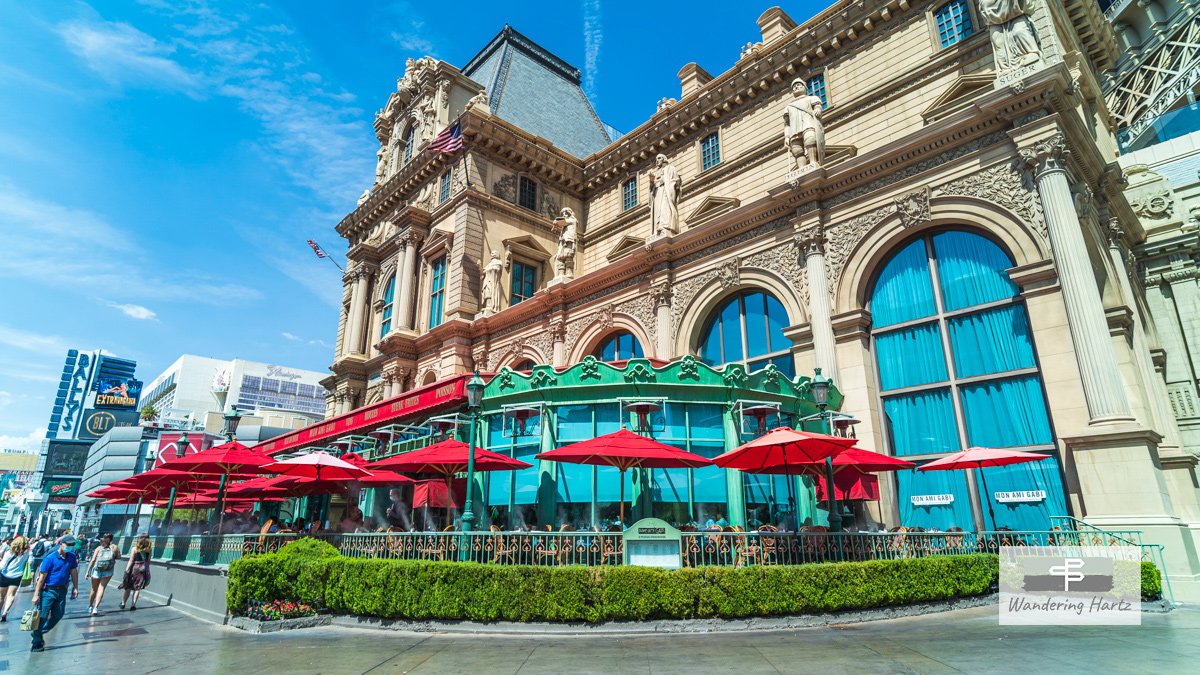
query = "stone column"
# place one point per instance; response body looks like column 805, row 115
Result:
column 1102, row 385
column 660, row 294
column 358, row 302
column 811, row 244
column 558, row 333
column 408, row 273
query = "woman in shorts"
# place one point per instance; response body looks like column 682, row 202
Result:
column 100, row 570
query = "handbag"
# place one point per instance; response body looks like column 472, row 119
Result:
column 31, row 619
column 27, row 577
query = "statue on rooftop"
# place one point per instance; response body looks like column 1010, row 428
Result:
column 803, row 131
column 665, row 188
column 1014, row 39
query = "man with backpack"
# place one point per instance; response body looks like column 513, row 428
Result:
column 42, row 547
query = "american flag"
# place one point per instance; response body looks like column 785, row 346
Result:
column 449, row 140
column 316, row 248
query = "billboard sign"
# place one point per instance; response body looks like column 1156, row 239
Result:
column 96, row 423
column 62, row 491
column 66, row 458
column 116, row 392
column 168, row 445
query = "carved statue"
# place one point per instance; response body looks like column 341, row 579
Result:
column 565, row 257
column 479, row 100
column 381, row 164
column 364, row 197
column 489, row 292
column 803, row 132
column 665, row 188
column 1014, row 39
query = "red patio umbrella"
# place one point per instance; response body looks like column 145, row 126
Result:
column 978, row 458
column 447, row 458
column 783, row 447
column 625, row 450
column 378, row 476
column 857, row 459
column 318, row 465
column 222, row 460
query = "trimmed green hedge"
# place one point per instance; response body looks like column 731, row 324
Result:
column 447, row 590
column 1151, row 582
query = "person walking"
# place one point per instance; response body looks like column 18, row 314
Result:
column 100, row 570
column 40, row 547
column 137, row 572
column 50, row 589
column 12, row 570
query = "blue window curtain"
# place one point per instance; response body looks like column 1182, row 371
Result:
column 957, row 513
column 971, row 270
column 903, row 291
column 1032, row 514
column 922, row 422
column 1006, row 413
column 911, row 356
column 992, row 341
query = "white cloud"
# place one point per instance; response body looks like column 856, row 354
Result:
column 593, row 38
column 32, row 442
column 320, row 343
column 293, row 338
column 63, row 246
column 134, row 311
column 296, row 338
column 35, row 343
column 124, row 55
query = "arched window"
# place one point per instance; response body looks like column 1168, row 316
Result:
column 748, row 329
column 523, row 364
column 389, row 294
column 957, row 369
column 620, row 346
column 409, row 138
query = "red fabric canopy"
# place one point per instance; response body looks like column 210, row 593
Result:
column 978, row 458
column 222, row 460
column 448, row 457
column 626, row 450
column 783, row 447
column 162, row 477
column 851, row 458
column 378, row 477
column 317, row 465
column 850, row 484
column 262, row 486
column 432, row 493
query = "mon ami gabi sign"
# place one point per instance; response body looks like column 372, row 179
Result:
column 375, row 415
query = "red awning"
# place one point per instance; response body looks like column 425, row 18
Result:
column 851, row 484
column 442, row 394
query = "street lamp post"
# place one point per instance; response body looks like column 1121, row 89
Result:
column 474, row 398
column 181, row 447
column 232, row 419
column 820, row 391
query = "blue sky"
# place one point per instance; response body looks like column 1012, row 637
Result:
column 162, row 163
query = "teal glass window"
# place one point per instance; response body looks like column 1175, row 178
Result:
column 748, row 329
column 816, row 87
column 524, row 282
column 710, row 151
column 619, row 347
column 956, row 362
column 629, row 194
column 444, row 188
column 527, row 193
column 437, row 291
column 389, row 294
column 953, row 21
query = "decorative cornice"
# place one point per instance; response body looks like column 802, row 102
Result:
column 1047, row 156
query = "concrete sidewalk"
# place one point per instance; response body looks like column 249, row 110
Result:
column 160, row 639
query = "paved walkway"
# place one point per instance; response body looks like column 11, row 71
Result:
column 160, row 639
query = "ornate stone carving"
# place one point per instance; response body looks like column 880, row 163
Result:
column 735, row 375
column 1157, row 205
column 843, row 237
column 605, row 316
column 730, row 272
column 542, row 378
column 803, row 131
column 660, row 293
column 590, row 368
column 480, row 101
column 1004, row 185
column 639, row 373
column 558, row 330
column 665, row 189
column 913, row 208
column 688, row 368
column 784, row 261
column 665, row 103
column 480, row 356
column 489, row 291
column 641, row 308
column 505, row 378
column 683, row 292
column 505, row 188
column 1051, row 154
column 549, row 203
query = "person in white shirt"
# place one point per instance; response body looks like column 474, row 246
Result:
column 12, row 570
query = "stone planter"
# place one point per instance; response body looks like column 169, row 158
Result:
column 255, row 626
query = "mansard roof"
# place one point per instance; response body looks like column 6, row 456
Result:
column 538, row 92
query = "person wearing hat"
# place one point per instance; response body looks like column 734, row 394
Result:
column 51, row 588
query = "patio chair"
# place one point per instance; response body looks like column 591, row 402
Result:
column 768, row 544
column 898, row 547
column 746, row 551
column 260, row 546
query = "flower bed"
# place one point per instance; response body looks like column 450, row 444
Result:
column 275, row 610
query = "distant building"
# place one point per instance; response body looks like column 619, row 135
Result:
column 194, row 387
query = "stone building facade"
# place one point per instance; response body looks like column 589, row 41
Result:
column 954, row 139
